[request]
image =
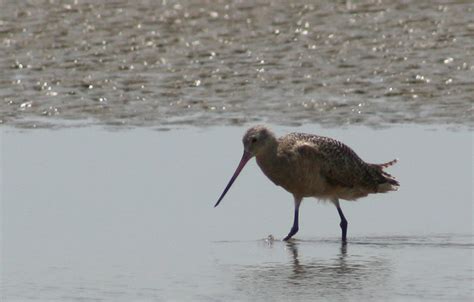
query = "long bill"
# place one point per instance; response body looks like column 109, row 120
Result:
column 245, row 158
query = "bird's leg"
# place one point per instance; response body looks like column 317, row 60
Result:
column 294, row 228
column 343, row 223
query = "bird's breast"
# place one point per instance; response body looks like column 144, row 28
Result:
column 274, row 168
column 295, row 176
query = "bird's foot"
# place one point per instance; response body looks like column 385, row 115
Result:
column 293, row 231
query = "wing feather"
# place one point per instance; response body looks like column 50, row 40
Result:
column 338, row 163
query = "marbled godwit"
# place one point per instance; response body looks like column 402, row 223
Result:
column 308, row 165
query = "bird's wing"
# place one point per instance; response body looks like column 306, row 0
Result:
column 338, row 163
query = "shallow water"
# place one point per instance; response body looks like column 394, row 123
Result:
column 89, row 214
column 126, row 215
column 168, row 63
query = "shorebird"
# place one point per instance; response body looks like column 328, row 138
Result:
column 308, row 165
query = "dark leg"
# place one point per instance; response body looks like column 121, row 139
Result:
column 294, row 228
column 343, row 223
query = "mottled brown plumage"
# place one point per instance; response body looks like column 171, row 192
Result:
column 309, row 165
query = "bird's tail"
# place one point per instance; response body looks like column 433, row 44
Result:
column 387, row 164
column 388, row 183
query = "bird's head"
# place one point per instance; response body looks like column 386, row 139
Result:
column 255, row 141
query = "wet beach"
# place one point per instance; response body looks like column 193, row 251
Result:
column 121, row 123
column 128, row 215
column 168, row 63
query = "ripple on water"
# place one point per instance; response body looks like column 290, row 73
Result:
column 163, row 64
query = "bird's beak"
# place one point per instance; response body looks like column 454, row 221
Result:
column 245, row 158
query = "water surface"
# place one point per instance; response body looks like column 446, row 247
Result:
column 89, row 214
column 168, row 63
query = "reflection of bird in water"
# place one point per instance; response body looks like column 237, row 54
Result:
column 313, row 166
column 334, row 272
column 293, row 248
column 300, row 269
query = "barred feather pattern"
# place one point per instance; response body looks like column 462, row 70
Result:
column 312, row 165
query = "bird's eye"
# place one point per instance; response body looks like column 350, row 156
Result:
column 253, row 140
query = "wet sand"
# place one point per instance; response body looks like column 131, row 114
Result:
column 126, row 213
column 164, row 63
column 103, row 215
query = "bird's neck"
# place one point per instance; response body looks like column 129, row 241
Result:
column 270, row 149
column 268, row 156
